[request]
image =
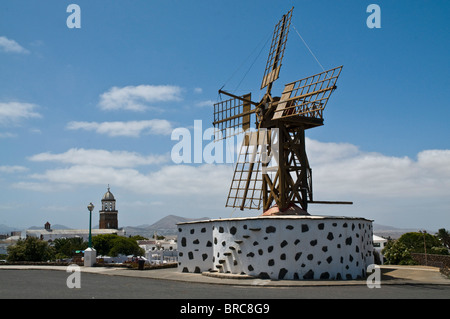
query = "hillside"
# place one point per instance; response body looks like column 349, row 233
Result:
column 393, row 232
column 56, row 226
column 165, row 226
column 4, row 229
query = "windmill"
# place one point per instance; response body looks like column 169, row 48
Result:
column 273, row 165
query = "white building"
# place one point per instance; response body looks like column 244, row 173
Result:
column 159, row 251
column 49, row 235
column 378, row 244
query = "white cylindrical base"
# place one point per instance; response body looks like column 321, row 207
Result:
column 278, row 247
column 90, row 255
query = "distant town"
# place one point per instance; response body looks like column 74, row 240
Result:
column 156, row 244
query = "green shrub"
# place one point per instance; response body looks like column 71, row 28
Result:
column 31, row 249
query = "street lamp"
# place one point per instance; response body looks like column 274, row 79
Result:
column 90, row 208
column 89, row 253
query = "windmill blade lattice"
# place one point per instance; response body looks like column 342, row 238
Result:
column 276, row 53
column 246, row 186
column 232, row 117
column 309, row 96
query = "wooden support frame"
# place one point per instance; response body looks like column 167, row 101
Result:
column 292, row 182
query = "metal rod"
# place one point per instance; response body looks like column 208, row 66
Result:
column 330, row 202
column 90, row 233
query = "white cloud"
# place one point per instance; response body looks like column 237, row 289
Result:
column 329, row 152
column 7, row 135
column 206, row 103
column 384, row 188
column 340, row 172
column 100, row 158
column 12, row 169
column 40, row 187
column 35, row 131
column 177, row 180
column 344, row 170
column 13, row 112
column 435, row 162
column 11, row 46
column 136, row 98
column 130, row 128
column 209, row 179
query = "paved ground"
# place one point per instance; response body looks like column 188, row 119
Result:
column 390, row 275
column 30, row 282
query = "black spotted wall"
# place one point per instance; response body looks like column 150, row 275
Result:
column 289, row 247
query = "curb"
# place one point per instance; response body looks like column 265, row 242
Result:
column 227, row 276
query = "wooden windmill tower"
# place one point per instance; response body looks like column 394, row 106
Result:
column 272, row 164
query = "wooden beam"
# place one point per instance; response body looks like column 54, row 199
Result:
column 239, row 97
column 330, row 202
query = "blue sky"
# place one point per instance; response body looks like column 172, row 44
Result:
column 84, row 108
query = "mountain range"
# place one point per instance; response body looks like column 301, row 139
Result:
column 166, row 226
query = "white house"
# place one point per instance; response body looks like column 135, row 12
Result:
column 378, row 244
column 159, row 251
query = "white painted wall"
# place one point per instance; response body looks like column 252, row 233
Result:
column 278, row 247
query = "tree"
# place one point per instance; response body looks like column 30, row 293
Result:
column 103, row 243
column 138, row 237
column 126, row 246
column 65, row 247
column 416, row 242
column 444, row 237
column 398, row 252
column 30, row 249
column 113, row 245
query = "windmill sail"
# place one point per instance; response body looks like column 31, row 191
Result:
column 307, row 97
column 246, row 186
column 232, row 117
column 276, row 53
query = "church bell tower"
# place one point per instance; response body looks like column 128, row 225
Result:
column 108, row 214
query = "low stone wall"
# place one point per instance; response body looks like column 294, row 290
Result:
column 278, row 247
column 441, row 261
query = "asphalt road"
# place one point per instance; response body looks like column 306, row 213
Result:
column 52, row 284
